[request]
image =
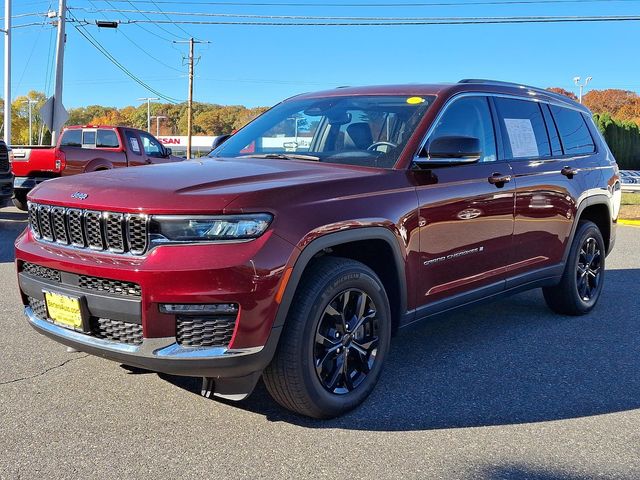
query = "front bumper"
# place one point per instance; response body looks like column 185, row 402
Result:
column 164, row 354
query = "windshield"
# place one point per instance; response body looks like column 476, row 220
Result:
column 353, row 130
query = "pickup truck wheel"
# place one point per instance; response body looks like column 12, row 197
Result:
column 334, row 342
column 20, row 201
column 583, row 277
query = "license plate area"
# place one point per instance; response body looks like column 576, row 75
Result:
column 65, row 310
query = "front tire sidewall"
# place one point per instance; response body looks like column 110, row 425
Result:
column 326, row 401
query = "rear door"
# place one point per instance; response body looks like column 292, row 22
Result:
column 546, row 189
column 466, row 217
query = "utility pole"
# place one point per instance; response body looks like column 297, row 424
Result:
column 30, row 103
column 576, row 80
column 148, row 100
column 192, row 41
column 58, row 109
column 7, row 72
column 158, row 118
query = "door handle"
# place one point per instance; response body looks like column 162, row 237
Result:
column 569, row 172
column 499, row 180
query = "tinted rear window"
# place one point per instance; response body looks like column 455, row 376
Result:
column 71, row 138
column 107, row 139
column 524, row 129
column 574, row 133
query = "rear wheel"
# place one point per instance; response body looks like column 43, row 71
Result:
column 335, row 340
column 583, row 277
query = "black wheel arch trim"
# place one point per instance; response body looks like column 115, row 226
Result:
column 590, row 201
column 339, row 238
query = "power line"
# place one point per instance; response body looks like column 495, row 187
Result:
column 96, row 44
column 371, row 5
column 432, row 21
column 168, row 18
column 139, row 47
column 140, row 26
column 157, row 23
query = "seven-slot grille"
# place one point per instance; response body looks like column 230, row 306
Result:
column 115, row 232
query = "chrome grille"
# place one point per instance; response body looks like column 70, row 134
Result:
column 76, row 233
column 33, row 220
column 115, row 232
column 44, row 216
column 59, row 225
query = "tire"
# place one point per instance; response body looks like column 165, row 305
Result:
column 583, row 277
column 296, row 378
column 20, row 201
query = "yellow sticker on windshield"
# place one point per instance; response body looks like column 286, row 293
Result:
column 415, row 100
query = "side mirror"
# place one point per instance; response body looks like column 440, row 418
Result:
column 168, row 152
column 452, row 150
column 219, row 140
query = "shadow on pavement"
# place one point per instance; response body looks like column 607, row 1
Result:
column 509, row 362
column 12, row 223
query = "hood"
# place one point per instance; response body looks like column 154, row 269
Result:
column 195, row 186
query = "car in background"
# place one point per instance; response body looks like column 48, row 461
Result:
column 630, row 180
column 6, row 178
column 82, row 149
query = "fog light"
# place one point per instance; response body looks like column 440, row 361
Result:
column 199, row 308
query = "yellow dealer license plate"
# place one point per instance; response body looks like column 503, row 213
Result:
column 64, row 310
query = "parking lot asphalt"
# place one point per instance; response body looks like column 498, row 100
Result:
column 502, row 391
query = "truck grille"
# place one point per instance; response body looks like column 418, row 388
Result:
column 205, row 331
column 4, row 159
column 101, row 231
column 104, row 328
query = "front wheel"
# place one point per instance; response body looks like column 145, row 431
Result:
column 20, row 200
column 335, row 340
column 583, row 277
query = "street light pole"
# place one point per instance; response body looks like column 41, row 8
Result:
column 576, row 80
column 158, row 118
column 7, row 71
column 30, row 103
column 148, row 100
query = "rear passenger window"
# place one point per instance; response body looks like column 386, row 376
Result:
column 574, row 133
column 132, row 140
column 556, row 148
column 71, row 138
column 523, row 128
column 107, row 139
column 89, row 137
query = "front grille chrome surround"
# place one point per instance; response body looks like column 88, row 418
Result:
column 99, row 231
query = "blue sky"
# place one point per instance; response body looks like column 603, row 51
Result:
column 254, row 65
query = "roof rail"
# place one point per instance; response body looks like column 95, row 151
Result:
column 512, row 84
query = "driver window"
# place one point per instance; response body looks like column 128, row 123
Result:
column 469, row 117
column 151, row 146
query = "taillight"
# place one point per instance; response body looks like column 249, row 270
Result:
column 61, row 160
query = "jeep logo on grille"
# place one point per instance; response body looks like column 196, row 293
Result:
column 80, row 195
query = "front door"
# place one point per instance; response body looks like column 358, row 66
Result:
column 466, row 214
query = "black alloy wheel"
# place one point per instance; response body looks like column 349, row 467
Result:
column 346, row 341
column 589, row 269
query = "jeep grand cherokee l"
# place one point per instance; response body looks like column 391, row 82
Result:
column 311, row 235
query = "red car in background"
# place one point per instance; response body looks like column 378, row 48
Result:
column 82, row 149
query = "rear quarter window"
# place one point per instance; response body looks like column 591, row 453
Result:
column 71, row 138
column 524, row 130
column 574, row 133
column 107, row 139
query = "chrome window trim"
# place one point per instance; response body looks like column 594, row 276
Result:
column 531, row 98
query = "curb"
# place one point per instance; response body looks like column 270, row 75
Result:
column 633, row 223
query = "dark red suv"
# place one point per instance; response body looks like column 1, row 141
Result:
column 311, row 235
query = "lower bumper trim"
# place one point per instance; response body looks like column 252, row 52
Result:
column 164, row 354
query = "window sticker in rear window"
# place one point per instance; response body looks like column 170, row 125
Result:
column 521, row 137
column 135, row 146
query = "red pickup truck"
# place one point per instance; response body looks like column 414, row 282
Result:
column 84, row 149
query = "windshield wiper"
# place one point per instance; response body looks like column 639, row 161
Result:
column 282, row 156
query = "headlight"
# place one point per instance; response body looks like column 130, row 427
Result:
column 170, row 229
